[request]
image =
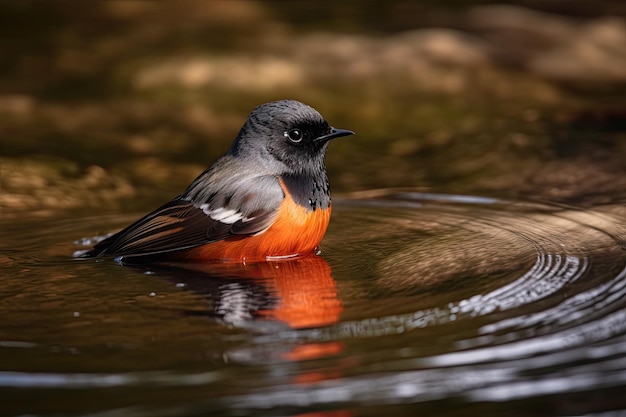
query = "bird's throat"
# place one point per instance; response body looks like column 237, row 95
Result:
column 309, row 191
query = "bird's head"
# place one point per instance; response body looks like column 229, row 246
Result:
column 285, row 136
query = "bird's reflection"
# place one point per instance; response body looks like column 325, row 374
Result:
column 299, row 292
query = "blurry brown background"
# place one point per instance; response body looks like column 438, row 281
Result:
column 108, row 106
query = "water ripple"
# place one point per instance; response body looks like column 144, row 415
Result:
column 417, row 298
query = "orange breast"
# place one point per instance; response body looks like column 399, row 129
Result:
column 296, row 231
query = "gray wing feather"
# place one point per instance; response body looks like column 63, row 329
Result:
column 213, row 208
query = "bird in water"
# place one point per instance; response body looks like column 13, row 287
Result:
column 268, row 197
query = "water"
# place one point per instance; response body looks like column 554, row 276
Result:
column 420, row 303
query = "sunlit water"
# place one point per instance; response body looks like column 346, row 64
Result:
column 419, row 304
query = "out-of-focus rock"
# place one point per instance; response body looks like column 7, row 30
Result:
column 236, row 72
column 499, row 19
column 596, row 53
column 318, row 57
column 553, row 46
column 16, row 104
column 442, row 46
column 39, row 186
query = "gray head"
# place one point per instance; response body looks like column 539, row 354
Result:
column 285, row 136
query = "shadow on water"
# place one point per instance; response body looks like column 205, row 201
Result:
column 487, row 304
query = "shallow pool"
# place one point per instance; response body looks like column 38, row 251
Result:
column 418, row 304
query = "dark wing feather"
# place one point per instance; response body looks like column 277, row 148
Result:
column 223, row 201
column 177, row 225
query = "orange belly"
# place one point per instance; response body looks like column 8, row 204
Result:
column 296, row 231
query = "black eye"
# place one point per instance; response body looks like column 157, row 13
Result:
column 294, row 135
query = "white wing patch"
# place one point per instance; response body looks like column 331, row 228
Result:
column 222, row 215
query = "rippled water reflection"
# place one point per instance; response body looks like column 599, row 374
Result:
column 497, row 307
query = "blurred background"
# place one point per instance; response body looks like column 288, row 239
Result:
column 115, row 106
column 461, row 307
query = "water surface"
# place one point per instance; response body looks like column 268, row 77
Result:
column 419, row 303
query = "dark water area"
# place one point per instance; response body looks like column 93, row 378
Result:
column 475, row 262
column 419, row 303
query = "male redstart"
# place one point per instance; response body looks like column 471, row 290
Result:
column 267, row 197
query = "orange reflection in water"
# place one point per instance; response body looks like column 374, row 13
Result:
column 306, row 296
column 306, row 290
column 299, row 292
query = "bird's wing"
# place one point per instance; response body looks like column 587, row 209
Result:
column 184, row 224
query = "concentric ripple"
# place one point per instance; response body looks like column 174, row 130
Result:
column 555, row 324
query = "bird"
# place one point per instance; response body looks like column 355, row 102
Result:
column 267, row 197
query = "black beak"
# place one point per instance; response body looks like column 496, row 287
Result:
column 334, row 133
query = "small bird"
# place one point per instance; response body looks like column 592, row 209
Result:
column 267, row 197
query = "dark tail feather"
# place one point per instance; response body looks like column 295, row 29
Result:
column 100, row 248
